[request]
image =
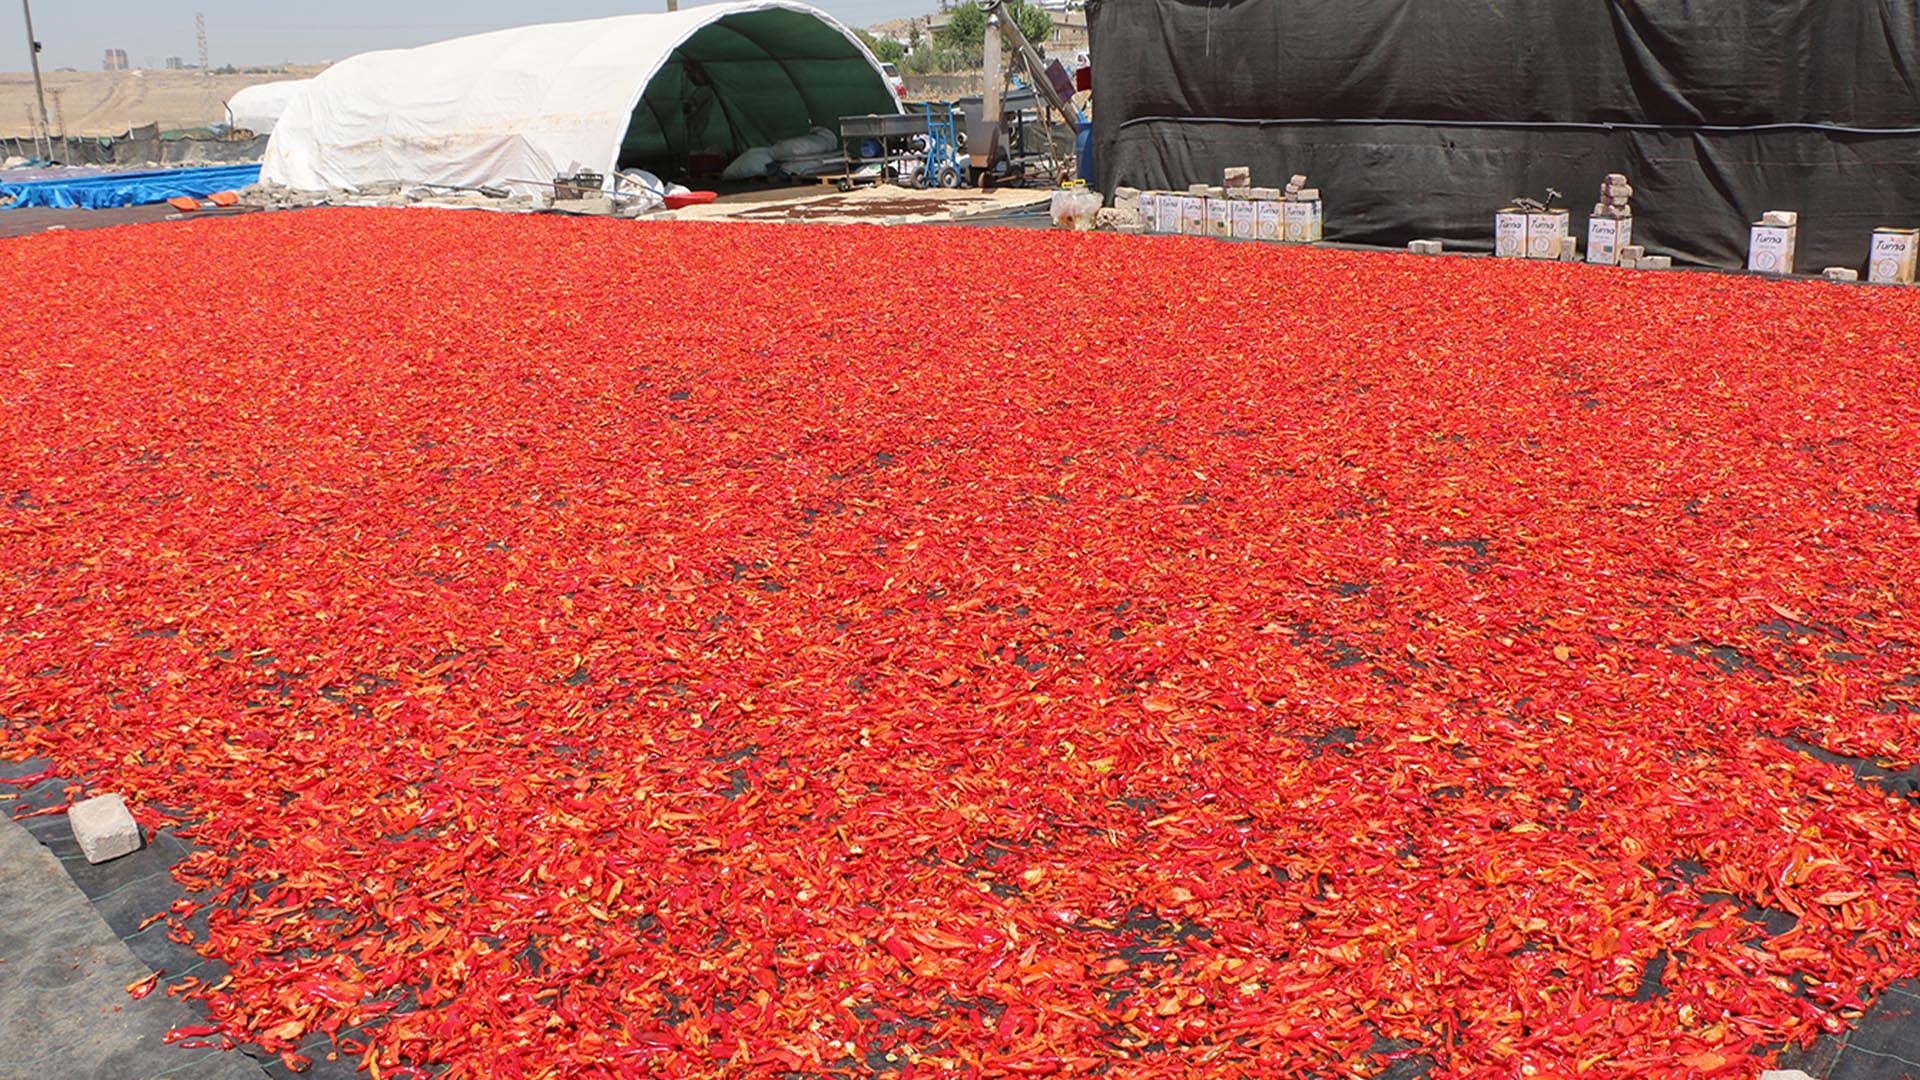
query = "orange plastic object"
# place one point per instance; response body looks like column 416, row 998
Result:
column 224, row 198
column 183, row 203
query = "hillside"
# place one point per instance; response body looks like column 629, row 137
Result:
column 109, row 102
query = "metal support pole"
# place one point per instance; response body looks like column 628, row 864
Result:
column 985, row 151
column 40, row 92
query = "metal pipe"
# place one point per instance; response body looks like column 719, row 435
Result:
column 40, row 92
column 984, row 151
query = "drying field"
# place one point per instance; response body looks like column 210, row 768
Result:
column 588, row 648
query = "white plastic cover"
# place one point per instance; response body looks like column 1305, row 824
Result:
column 258, row 107
column 523, row 105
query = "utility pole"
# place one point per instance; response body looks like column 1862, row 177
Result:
column 60, row 120
column 39, row 91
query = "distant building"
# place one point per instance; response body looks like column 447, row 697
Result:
column 116, row 60
column 1069, row 32
column 174, row 63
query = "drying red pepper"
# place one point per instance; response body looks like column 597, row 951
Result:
column 614, row 649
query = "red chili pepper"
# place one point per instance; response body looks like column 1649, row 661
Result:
column 1261, row 652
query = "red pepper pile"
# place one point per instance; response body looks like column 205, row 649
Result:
column 599, row 649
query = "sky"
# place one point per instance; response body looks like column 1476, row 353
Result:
column 76, row 33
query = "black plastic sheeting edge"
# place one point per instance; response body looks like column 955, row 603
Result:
column 1573, row 125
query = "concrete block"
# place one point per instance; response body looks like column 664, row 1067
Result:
column 1840, row 273
column 1311, row 194
column 104, row 828
column 1424, row 247
column 1264, row 194
column 1780, row 218
column 1569, row 249
column 591, row 206
column 1199, row 189
column 1635, row 252
column 1236, row 176
column 1655, row 262
column 1124, row 192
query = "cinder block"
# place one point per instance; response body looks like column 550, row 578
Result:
column 1655, row 262
column 1236, row 176
column 1424, row 247
column 591, row 206
column 1841, row 273
column 104, row 828
column 1635, row 252
column 1780, row 218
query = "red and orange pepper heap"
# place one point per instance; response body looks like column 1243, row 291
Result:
column 597, row 649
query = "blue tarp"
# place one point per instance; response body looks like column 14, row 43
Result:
column 97, row 192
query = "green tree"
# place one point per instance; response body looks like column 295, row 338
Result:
column 967, row 25
column 932, row 58
column 886, row 49
column 1033, row 22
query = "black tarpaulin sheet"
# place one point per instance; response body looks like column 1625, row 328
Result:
column 1422, row 119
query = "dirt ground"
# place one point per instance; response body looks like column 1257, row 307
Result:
column 110, row 102
column 41, row 219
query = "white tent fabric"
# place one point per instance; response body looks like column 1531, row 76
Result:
column 519, row 107
column 258, row 107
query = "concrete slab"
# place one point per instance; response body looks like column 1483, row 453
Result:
column 64, row 1008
